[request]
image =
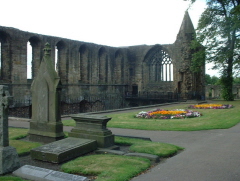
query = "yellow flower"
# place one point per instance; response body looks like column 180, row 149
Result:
column 168, row 112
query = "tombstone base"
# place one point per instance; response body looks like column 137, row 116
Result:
column 63, row 150
column 44, row 139
column 93, row 127
column 102, row 141
column 45, row 132
column 9, row 160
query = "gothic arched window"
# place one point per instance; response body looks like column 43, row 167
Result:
column 160, row 66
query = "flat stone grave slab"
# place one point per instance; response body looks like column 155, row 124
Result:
column 42, row 174
column 63, row 150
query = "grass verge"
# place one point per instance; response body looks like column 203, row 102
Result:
column 211, row 119
column 107, row 167
column 22, row 147
column 17, row 133
column 9, row 178
column 143, row 146
column 69, row 122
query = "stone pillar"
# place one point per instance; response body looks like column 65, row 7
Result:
column 46, row 125
column 8, row 155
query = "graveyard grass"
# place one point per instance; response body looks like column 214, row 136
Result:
column 107, row 167
column 120, row 168
column 144, row 146
column 104, row 166
column 22, row 147
column 10, row 178
column 211, row 119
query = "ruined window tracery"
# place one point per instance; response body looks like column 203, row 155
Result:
column 160, row 67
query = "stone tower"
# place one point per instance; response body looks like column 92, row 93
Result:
column 187, row 82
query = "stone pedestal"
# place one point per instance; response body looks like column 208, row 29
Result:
column 93, row 127
column 46, row 132
column 9, row 160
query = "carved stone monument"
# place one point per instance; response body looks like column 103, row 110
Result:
column 93, row 127
column 46, row 125
column 8, row 155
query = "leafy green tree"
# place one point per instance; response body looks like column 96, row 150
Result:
column 219, row 31
column 213, row 80
column 208, row 79
column 236, row 80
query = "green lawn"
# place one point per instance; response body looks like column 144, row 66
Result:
column 22, row 147
column 211, row 119
column 107, row 167
column 144, row 146
column 10, row 178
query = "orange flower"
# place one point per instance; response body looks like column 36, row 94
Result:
column 168, row 112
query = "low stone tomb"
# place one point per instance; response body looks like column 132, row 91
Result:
column 63, row 150
column 42, row 174
column 93, row 127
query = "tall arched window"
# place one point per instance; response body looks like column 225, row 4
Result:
column 56, row 58
column 160, row 66
column 29, row 61
column 84, row 64
column 103, row 65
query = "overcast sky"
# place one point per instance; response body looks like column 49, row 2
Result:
column 107, row 22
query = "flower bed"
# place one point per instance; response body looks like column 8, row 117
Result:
column 166, row 114
column 211, row 106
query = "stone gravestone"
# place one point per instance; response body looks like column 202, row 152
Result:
column 93, row 127
column 46, row 125
column 43, row 174
column 8, row 155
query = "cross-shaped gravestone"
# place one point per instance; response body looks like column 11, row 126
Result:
column 9, row 160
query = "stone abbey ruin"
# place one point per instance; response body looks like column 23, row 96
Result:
column 88, row 69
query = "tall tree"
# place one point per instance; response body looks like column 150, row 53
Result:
column 219, row 31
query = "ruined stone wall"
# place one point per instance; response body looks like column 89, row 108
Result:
column 215, row 91
column 88, row 68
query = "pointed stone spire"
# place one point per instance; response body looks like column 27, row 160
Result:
column 186, row 26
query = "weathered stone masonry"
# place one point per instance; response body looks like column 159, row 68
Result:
column 92, row 68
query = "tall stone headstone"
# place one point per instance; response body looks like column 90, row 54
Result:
column 46, row 125
column 9, row 160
